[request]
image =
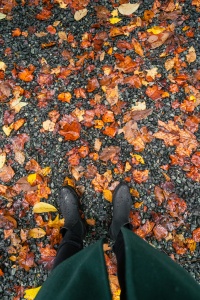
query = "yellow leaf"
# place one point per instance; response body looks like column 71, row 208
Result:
column 110, row 51
column 16, row 104
column 30, row 294
column 7, row 129
column 138, row 204
column 192, row 98
column 165, row 95
column 56, row 223
column 114, row 13
column 43, row 207
column 45, row 171
column 31, row 178
column 2, row 159
column 107, row 195
column 138, row 157
column 69, row 181
column 134, row 193
column 13, row 258
column 127, row 167
column 2, row 66
column 36, row 233
column 156, row 29
column 115, row 20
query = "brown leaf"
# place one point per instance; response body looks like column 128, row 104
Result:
column 191, row 56
column 159, row 195
column 6, row 173
column 140, row 176
column 160, row 232
column 134, row 136
column 157, row 40
column 110, row 153
column 137, row 115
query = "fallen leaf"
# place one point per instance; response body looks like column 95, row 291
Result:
column 2, row 16
column 48, row 125
column 109, row 153
column 169, row 64
column 127, row 9
column 2, row 159
column 138, row 157
column 31, row 294
column 26, row 75
column 191, row 56
column 112, row 94
column 91, row 222
column 70, row 127
column 156, row 29
column 43, row 207
column 2, row 66
column 137, row 47
column 6, row 173
column 140, row 176
column 80, row 14
column 107, row 195
column 16, row 104
column 36, row 233
column 114, row 20
column 196, row 235
column 160, row 232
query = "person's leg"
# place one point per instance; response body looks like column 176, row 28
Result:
column 74, row 229
column 119, row 250
column 121, row 209
column 70, row 245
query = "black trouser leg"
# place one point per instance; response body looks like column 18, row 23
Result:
column 70, row 245
column 119, row 251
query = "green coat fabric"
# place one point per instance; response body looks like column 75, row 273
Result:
column 150, row 275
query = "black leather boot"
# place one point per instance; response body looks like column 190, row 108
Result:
column 69, row 207
column 122, row 203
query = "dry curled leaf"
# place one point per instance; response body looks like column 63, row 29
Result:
column 36, row 233
column 43, row 207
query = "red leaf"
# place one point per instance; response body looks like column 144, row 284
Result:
column 70, row 128
column 45, row 14
column 145, row 229
column 26, row 258
column 154, row 92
